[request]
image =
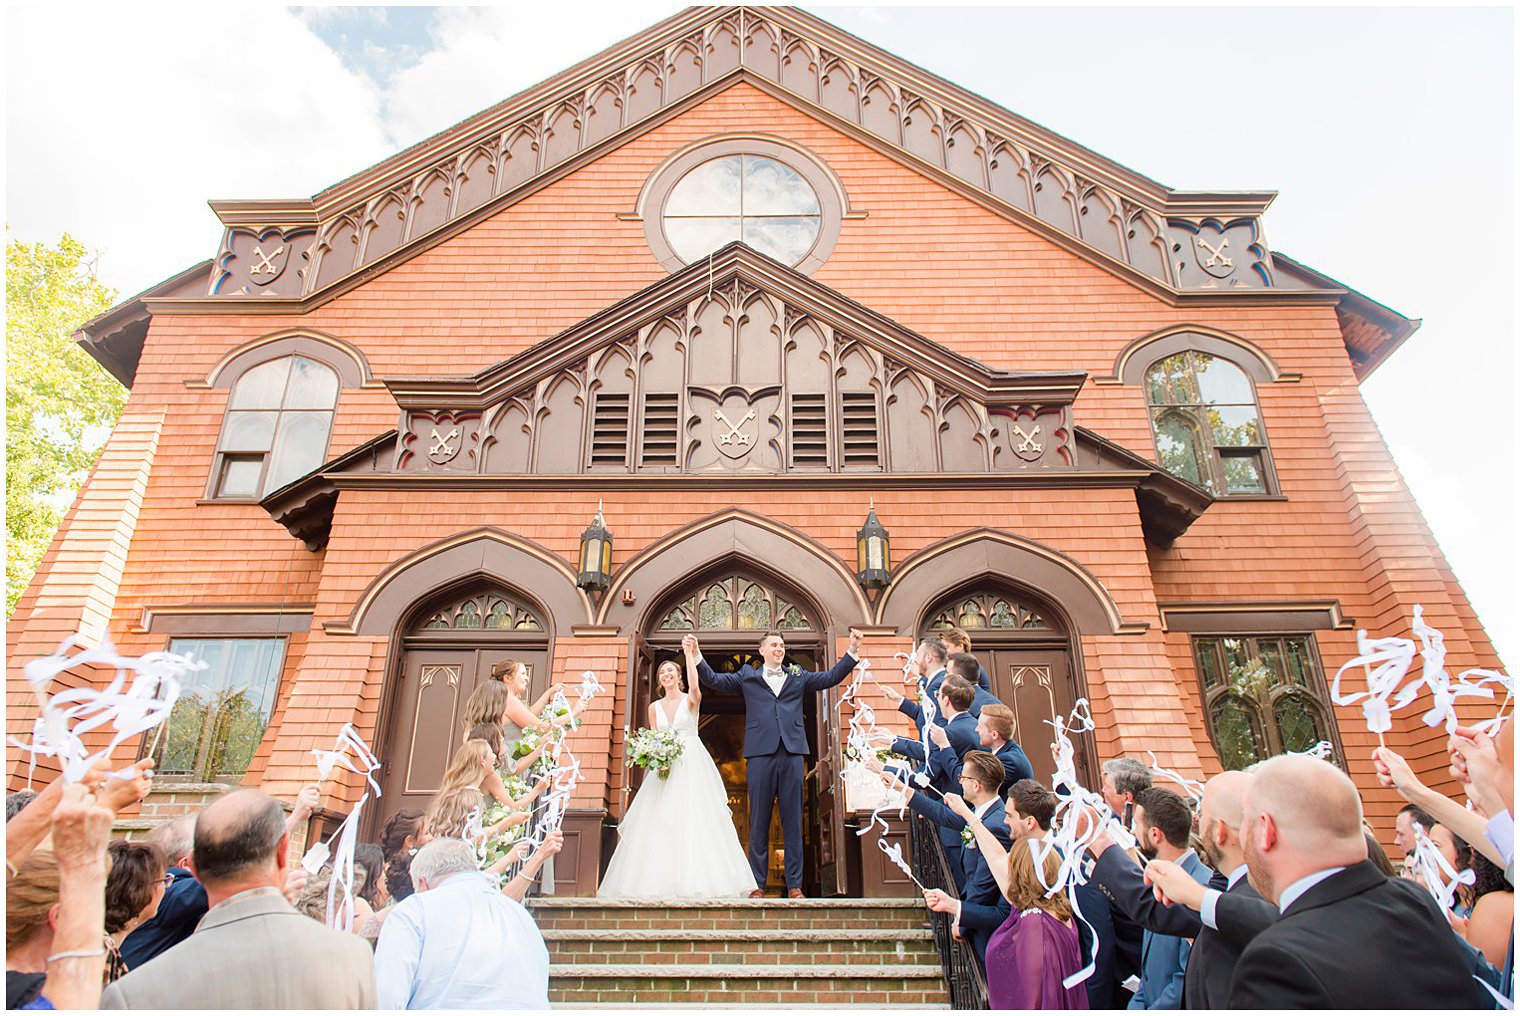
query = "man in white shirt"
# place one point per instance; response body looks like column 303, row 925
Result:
column 458, row 942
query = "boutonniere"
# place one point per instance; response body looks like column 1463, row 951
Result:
column 793, row 670
column 968, row 837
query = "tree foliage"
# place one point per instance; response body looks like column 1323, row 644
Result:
column 59, row 404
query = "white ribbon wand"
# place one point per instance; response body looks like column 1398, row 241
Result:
column 1385, row 662
column 352, row 753
column 129, row 710
column 1443, row 687
column 894, row 854
column 1193, row 788
column 1440, row 878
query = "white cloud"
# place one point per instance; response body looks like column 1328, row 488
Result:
column 120, row 133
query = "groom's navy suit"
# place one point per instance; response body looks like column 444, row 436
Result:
column 775, row 744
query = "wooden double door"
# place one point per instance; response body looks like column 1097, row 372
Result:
column 1037, row 685
column 435, row 682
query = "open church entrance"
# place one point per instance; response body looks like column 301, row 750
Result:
column 729, row 610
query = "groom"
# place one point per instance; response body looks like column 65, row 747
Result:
column 774, row 743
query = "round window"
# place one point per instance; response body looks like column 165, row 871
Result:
column 765, row 203
column 770, row 196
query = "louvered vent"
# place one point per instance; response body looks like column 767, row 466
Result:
column 861, row 445
column 660, row 447
column 810, row 432
column 609, row 430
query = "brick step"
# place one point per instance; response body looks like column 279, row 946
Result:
column 730, row 945
column 679, row 915
column 745, row 984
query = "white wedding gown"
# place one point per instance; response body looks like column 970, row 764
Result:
column 678, row 839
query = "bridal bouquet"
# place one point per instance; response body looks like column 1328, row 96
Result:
column 654, row 749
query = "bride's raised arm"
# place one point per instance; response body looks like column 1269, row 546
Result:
column 693, row 681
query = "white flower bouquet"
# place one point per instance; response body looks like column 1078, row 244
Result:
column 654, row 750
column 498, row 846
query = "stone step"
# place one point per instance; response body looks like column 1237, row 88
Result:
column 682, row 915
column 746, row 984
column 729, row 945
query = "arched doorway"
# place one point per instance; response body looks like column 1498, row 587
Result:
column 730, row 607
column 448, row 645
column 1027, row 648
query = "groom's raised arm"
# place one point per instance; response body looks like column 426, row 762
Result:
column 841, row 670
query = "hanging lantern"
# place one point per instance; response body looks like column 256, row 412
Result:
column 873, row 549
column 596, row 555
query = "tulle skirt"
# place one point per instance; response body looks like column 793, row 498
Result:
column 678, row 839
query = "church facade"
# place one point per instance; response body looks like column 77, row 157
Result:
column 743, row 325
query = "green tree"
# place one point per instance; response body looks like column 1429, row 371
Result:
column 59, row 404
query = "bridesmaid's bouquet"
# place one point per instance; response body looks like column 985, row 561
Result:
column 502, row 843
column 654, row 750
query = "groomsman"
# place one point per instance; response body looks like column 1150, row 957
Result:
column 952, row 704
column 993, row 729
column 957, row 641
column 927, row 665
column 981, row 907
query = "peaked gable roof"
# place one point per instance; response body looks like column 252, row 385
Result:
column 1166, row 240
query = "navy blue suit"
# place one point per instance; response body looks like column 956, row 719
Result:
column 982, row 697
column 775, row 744
column 181, row 909
column 1016, row 766
column 1164, row 958
column 983, row 906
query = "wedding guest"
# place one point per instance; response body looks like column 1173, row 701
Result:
column 966, row 667
column 183, row 903
column 55, row 908
column 957, row 641
column 15, row 802
column 1478, row 831
column 1377, row 855
column 134, row 888
column 994, row 728
column 252, row 950
column 1403, row 827
column 458, row 942
column 1030, row 809
column 929, row 664
column 1490, row 906
column 1036, row 948
column 518, row 715
column 1123, row 778
column 371, row 858
column 405, row 833
column 952, row 698
column 485, row 713
column 313, row 898
column 474, row 766
column 980, row 907
column 1163, row 828
column 1302, row 833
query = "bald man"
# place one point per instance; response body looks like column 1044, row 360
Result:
column 1348, row 937
column 252, row 950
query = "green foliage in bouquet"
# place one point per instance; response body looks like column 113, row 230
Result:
column 655, row 750
column 882, row 754
column 498, row 846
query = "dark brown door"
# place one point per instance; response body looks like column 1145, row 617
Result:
column 827, row 798
column 435, row 684
column 1036, row 684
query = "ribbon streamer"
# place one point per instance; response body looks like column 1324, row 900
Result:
column 1322, row 750
column 1440, row 878
column 129, row 710
column 352, row 753
column 1081, row 817
column 363, row 761
column 1386, row 663
column 1444, row 689
column 894, row 854
column 1193, row 788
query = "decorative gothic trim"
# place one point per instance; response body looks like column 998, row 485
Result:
column 741, row 536
column 932, row 573
column 488, row 553
column 348, row 361
column 1137, row 357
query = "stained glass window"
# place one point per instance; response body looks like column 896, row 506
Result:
column 736, row 604
column 1263, row 695
column 1207, row 426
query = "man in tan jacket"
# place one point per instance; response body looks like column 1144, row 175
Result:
column 252, row 950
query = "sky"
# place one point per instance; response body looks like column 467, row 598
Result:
column 1388, row 133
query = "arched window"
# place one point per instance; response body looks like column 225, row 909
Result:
column 1207, row 426
column 1262, row 695
column 279, row 418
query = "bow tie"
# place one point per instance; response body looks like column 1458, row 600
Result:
column 772, row 672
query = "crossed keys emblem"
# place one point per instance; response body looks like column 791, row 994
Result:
column 265, row 264
column 1217, row 264
column 444, row 446
column 735, row 433
column 1028, row 447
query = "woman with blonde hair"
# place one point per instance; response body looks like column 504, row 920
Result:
column 518, row 716
column 474, row 766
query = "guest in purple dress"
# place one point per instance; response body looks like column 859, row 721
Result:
column 1036, row 948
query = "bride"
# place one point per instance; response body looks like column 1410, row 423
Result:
column 677, row 840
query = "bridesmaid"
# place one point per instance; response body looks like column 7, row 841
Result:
column 519, row 716
column 1036, row 948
